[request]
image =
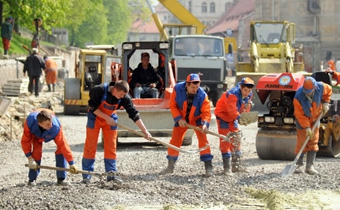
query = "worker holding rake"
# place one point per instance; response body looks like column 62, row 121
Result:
column 189, row 104
column 41, row 126
column 105, row 100
column 310, row 101
column 228, row 116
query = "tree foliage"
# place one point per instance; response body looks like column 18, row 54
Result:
column 53, row 13
column 87, row 21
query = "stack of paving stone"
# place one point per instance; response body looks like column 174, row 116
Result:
column 15, row 87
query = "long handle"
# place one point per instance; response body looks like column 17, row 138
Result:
column 307, row 139
column 208, row 132
column 66, row 169
column 160, row 141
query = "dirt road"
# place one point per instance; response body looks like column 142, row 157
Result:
column 259, row 187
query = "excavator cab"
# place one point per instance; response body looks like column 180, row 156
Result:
column 154, row 112
column 158, row 52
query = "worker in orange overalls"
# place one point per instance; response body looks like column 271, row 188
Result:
column 105, row 100
column 41, row 126
column 335, row 75
column 50, row 73
column 189, row 104
column 330, row 61
column 228, row 112
column 311, row 100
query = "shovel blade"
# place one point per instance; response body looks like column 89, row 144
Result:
column 288, row 170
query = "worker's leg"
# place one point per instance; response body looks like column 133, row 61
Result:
column 90, row 146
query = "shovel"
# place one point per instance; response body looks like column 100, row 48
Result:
column 164, row 143
column 209, row 132
column 67, row 169
column 289, row 169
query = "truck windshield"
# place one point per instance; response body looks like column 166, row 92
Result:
column 198, row 46
column 270, row 33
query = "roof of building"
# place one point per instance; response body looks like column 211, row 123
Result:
column 145, row 27
column 230, row 20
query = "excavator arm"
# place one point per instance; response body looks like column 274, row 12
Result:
column 183, row 14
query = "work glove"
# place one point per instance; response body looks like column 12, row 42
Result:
column 32, row 164
column 73, row 169
column 325, row 108
column 309, row 132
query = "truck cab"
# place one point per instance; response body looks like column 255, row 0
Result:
column 203, row 55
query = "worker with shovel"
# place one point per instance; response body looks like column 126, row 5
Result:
column 311, row 100
column 228, row 116
column 43, row 126
column 189, row 104
column 105, row 100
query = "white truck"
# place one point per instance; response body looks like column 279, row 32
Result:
column 204, row 55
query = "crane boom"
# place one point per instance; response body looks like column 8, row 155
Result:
column 183, row 15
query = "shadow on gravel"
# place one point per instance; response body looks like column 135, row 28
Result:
column 140, row 146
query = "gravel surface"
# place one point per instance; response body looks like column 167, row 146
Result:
column 260, row 186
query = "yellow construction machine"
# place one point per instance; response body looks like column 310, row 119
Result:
column 271, row 50
column 92, row 69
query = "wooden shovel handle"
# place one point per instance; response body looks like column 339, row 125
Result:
column 66, row 169
column 152, row 138
column 208, row 132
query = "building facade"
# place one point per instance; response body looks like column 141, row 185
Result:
column 317, row 25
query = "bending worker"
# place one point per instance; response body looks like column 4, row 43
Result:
column 104, row 102
column 228, row 112
column 189, row 104
column 43, row 126
column 311, row 100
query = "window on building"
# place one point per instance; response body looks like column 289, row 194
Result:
column 204, row 7
column 189, row 6
column 212, row 7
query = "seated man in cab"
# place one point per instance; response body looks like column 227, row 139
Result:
column 145, row 79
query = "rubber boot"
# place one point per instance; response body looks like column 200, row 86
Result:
column 299, row 164
column 53, row 87
column 49, row 88
column 235, row 163
column 227, row 166
column 6, row 52
column 310, row 161
column 208, row 168
column 169, row 169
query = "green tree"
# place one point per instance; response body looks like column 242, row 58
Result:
column 53, row 13
column 96, row 21
column 119, row 20
column 94, row 28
